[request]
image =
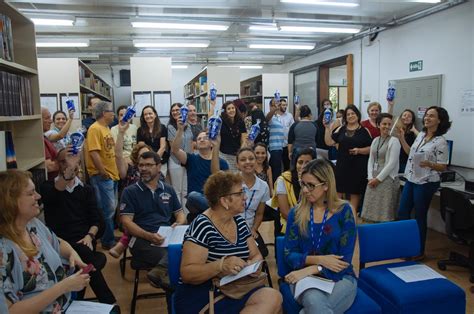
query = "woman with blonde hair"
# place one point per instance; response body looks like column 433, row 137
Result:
column 33, row 278
column 320, row 239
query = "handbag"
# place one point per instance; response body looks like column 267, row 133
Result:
column 235, row 290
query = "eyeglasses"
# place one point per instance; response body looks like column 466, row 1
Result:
column 240, row 193
column 146, row 165
column 310, row 186
column 106, row 110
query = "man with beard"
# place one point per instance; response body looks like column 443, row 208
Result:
column 145, row 206
column 286, row 119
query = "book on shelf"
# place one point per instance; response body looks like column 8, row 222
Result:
column 6, row 38
column 7, row 151
column 15, row 95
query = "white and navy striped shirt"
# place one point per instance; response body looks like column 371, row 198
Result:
column 204, row 233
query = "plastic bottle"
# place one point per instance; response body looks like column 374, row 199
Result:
column 277, row 96
column 70, row 104
column 327, row 116
column 215, row 123
column 296, row 100
column 77, row 139
column 391, row 91
column 213, row 92
column 254, row 131
column 184, row 113
column 129, row 113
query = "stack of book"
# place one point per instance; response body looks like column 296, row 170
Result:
column 6, row 38
column 15, row 95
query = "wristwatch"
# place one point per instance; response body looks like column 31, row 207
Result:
column 320, row 268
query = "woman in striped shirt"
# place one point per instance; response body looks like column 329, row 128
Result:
column 218, row 243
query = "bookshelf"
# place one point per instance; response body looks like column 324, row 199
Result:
column 227, row 82
column 251, row 90
column 62, row 76
column 20, row 104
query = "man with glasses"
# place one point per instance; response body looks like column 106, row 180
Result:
column 144, row 207
column 198, row 168
column 101, row 167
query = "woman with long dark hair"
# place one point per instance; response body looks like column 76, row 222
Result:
column 406, row 135
column 287, row 188
column 428, row 158
column 262, row 168
column 233, row 134
column 353, row 146
column 153, row 133
column 178, row 174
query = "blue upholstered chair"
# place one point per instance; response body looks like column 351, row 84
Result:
column 174, row 263
column 363, row 304
column 400, row 239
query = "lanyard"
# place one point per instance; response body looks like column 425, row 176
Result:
column 423, row 142
column 247, row 205
column 379, row 147
column 311, row 219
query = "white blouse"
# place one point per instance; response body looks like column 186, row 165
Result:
column 435, row 150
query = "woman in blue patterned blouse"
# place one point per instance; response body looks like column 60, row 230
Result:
column 320, row 239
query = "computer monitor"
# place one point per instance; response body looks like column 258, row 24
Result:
column 450, row 151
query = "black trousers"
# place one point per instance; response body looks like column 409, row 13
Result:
column 150, row 255
column 285, row 159
column 97, row 283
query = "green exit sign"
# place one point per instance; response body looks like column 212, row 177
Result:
column 416, row 66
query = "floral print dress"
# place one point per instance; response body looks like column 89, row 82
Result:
column 22, row 277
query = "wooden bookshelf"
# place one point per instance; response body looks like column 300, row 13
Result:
column 79, row 80
column 26, row 130
column 196, row 90
column 251, row 90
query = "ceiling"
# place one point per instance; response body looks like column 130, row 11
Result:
column 107, row 26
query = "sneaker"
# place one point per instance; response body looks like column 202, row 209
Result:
column 117, row 250
column 159, row 278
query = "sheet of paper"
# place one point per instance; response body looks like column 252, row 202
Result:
column 313, row 282
column 49, row 101
column 418, row 171
column 244, row 272
column 172, row 235
column 142, row 100
column 86, row 307
column 162, row 102
column 414, row 273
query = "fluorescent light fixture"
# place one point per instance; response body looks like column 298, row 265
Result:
column 251, row 67
column 241, row 66
column 64, row 44
column 181, row 26
column 171, row 44
column 263, row 28
column 306, row 29
column 179, row 66
column 52, row 22
column 282, row 46
column 322, row 2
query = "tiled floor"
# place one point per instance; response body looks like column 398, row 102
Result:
column 437, row 248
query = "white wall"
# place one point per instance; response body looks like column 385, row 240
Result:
column 111, row 74
column 445, row 43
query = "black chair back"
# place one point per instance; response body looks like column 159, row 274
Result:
column 457, row 211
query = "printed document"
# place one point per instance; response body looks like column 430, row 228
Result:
column 312, row 282
column 414, row 273
column 86, row 307
column 172, row 235
column 244, row 272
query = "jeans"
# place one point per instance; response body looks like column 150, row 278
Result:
column 339, row 301
column 148, row 254
column 106, row 195
column 276, row 163
column 417, row 196
column 196, row 204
